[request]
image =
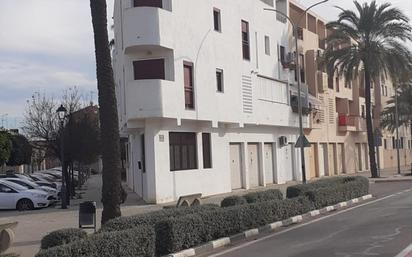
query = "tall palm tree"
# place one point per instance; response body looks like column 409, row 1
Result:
column 404, row 108
column 370, row 39
column 111, row 191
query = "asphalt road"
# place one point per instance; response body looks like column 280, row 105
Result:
column 381, row 228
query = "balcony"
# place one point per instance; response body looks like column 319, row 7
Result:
column 351, row 123
column 150, row 99
column 147, row 26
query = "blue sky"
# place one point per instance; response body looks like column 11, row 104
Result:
column 47, row 46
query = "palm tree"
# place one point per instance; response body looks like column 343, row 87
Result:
column 404, row 108
column 372, row 40
column 111, row 191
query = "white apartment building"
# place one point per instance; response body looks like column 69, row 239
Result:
column 203, row 97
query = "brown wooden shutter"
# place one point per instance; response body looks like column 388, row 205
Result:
column 188, row 85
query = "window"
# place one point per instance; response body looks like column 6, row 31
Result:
column 385, row 143
column 302, row 68
column 6, row 189
column 267, row 45
column 245, row 40
column 363, row 111
column 149, row 69
column 300, row 33
column 182, row 149
column 282, row 54
column 393, row 143
column 189, row 88
column 219, row 80
column 217, row 20
column 207, row 157
column 150, row 3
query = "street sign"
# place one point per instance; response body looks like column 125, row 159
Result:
column 302, row 140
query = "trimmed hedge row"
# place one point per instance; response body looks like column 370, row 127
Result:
column 254, row 197
column 183, row 232
column 137, row 242
column 61, row 237
column 331, row 191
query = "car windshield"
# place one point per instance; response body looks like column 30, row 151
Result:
column 24, row 182
column 14, row 186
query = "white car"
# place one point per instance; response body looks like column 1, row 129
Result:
column 32, row 185
column 14, row 196
column 38, row 178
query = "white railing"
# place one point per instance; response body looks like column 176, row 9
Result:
column 272, row 90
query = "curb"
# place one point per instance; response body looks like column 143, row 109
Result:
column 207, row 247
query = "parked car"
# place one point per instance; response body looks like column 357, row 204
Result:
column 32, row 185
column 41, row 181
column 14, row 196
column 14, row 175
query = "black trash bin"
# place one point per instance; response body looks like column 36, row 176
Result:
column 87, row 215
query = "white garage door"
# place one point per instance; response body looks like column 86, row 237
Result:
column 269, row 164
column 253, row 164
column 236, row 166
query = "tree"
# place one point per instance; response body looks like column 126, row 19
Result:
column 21, row 151
column 5, row 147
column 404, row 108
column 372, row 40
column 111, row 191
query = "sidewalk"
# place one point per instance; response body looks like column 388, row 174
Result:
column 390, row 175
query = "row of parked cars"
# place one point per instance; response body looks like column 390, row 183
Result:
column 30, row 191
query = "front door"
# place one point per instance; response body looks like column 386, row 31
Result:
column 269, row 164
column 253, row 165
column 236, row 166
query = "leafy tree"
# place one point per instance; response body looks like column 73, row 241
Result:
column 111, row 191
column 5, row 147
column 21, row 151
column 372, row 40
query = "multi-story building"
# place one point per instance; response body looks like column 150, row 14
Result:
column 208, row 101
column 203, row 96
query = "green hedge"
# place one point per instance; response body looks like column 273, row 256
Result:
column 254, row 197
column 183, row 232
column 233, row 200
column 151, row 218
column 331, row 191
column 61, row 237
column 137, row 242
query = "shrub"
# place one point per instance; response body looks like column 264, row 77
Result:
column 151, row 218
column 61, row 237
column 263, row 196
column 186, row 231
column 233, row 200
column 137, row 242
column 331, row 191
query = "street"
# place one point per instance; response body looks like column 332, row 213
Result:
column 381, row 228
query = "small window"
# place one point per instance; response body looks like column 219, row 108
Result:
column 217, row 20
column 182, row 150
column 302, row 68
column 207, row 157
column 385, row 143
column 149, row 69
column 267, row 45
column 245, row 41
column 149, row 3
column 282, row 54
column 219, row 80
column 188, row 85
column 300, row 33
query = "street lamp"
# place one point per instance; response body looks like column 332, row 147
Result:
column 295, row 27
column 62, row 114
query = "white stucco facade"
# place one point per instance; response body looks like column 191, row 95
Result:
column 245, row 121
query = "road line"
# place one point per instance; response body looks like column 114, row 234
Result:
column 302, row 225
column 406, row 252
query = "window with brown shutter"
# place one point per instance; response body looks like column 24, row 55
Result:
column 219, row 80
column 245, row 40
column 207, row 157
column 217, row 20
column 188, row 85
column 149, row 69
column 182, row 150
column 148, row 3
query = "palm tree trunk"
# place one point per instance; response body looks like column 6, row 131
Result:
column 108, row 114
column 369, row 125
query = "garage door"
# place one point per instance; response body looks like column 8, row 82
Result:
column 289, row 163
column 322, row 154
column 312, row 161
column 331, row 159
column 253, row 165
column 365, row 157
column 236, row 166
column 269, row 164
column 340, row 158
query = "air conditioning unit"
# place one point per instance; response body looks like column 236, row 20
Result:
column 283, row 141
column 289, row 61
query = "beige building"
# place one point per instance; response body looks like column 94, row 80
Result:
column 337, row 126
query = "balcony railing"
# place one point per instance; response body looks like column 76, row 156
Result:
column 351, row 123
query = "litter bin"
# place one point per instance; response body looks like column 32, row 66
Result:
column 87, row 215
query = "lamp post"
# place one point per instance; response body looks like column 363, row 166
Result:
column 61, row 114
column 295, row 27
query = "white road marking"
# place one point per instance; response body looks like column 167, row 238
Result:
column 301, row 225
column 405, row 252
